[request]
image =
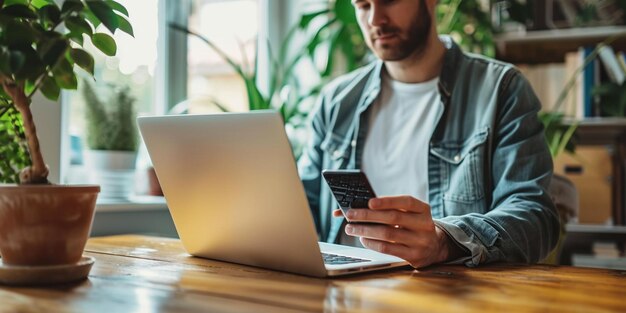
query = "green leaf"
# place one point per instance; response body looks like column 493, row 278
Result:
column 335, row 40
column 33, row 66
column 105, row 14
column 344, row 11
column 38, row 4
column 5, row 63
column 52, row 50
column 317, row 38
column 104, row 43
column 19, row 10
column 19, row 34
column 89, row 16
column 16, row 61
column 83, row 59
column 255, row 99
column 29, row 86
column 78, row 25
column 11, row 61
column 125, row 26
column 348, row 50
column 565, row 139
column 117, row 7
column 50, row 89
column 12, row 2
column 70, row 6
column 306, row 19
column 64, row 75
column 13, row 149
column 50, row 14
column 75, row 37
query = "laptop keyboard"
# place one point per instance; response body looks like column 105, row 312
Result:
column 334, row 259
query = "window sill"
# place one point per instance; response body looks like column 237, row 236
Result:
column 133, row 204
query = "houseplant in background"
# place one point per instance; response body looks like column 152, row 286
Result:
column 112, row 139
column 284, row 93
column 40, row 45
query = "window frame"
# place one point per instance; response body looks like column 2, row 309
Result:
column 52, row 117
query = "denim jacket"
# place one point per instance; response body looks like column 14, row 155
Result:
column 488, row 165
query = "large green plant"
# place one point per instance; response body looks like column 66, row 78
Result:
column 110, row 123
column 40, row 45
column 284, row 92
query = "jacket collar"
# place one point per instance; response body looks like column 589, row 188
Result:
column 451, row 62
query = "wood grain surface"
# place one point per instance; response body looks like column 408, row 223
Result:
column 150, row 274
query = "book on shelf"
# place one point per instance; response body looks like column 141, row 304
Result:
column 585, row 104
column 621, row 58
column 549, row 80
column 612, row 65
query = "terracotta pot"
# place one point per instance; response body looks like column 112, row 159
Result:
column 45, row 224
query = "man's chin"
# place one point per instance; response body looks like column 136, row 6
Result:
column 396, row 52
column 390, row 55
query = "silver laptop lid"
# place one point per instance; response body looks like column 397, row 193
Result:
column 233, row 190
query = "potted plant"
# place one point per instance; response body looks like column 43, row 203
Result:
column 112, row 140
column 40, row 45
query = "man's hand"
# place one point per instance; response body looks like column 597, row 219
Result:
column 403, row 227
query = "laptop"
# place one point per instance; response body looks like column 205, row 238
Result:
column 232, row 187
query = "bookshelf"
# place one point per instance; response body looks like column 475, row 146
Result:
column 551, row 46
column 610, row 131
column 580, row 239
column 577, row 246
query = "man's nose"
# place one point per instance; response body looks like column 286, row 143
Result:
column 377, row 16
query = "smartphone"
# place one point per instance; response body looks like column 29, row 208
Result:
column 350, row 188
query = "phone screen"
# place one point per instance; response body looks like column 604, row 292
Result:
column 351, row 188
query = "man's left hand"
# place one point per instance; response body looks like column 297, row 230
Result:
column 401, row 226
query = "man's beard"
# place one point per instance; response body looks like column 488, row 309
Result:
column 414, row 42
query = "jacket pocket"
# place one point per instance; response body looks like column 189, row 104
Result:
column 337, row 151
column 462, row 173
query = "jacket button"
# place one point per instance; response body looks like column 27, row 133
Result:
column 457, row 158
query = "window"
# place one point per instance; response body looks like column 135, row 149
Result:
column 210, row 79
column 134, row 66
column 155, row 81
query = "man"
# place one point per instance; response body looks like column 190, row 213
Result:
column 451, row 143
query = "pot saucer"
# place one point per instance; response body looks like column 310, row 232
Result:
column 44, row 274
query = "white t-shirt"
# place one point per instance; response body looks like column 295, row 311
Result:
column 395, row 156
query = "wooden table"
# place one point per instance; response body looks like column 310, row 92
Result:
column 149, row 274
